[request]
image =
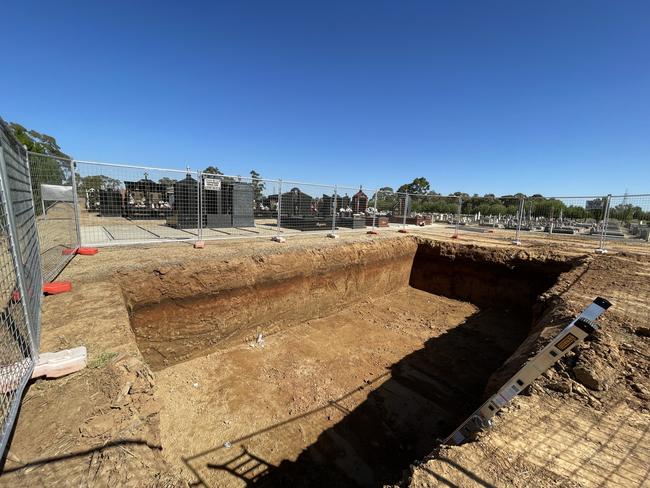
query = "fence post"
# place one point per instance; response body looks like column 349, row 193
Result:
column 199, row 209
column 460, row 206
column 406, row 204
column 75, row 200
column 603, row 233
column 520, row 216
column 374, row 214
column 279, row 208
column 334, row 205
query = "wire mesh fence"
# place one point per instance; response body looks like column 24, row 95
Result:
column 55, row 206
column 567, row 217
column 127, row 204
column 20, row 280
column 440, row 210
column 629, row 218
column 121, row 204
column 307, row 207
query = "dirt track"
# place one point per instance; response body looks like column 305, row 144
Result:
column 117, row 423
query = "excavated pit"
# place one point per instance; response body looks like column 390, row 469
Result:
column 370, row 353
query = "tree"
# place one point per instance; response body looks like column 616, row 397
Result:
column 213, row 170
column 419, row 186
column 384, row 199
column 258, row 186
column 98, row 182
column 167, row 181
column 44, row 168
column 37, row 142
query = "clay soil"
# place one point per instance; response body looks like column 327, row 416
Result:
column 337, row 364
column 358, row 391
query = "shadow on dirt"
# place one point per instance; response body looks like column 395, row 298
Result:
column 422, row 398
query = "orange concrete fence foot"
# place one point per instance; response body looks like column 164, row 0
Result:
column 84, row 251
column 56, row 287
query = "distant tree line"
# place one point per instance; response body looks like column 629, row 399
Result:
column 425, row 200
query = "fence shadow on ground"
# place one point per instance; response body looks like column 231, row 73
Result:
column 420, row 399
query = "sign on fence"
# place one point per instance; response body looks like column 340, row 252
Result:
column 213, row 184
column 57, row 193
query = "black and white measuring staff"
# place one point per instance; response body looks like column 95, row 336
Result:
column 572, row 335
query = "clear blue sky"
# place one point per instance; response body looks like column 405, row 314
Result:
column 505, row 96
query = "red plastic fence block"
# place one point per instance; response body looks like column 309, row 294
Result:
column 56, row 287
column 84, row 251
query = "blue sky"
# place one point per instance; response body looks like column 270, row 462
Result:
column 486, row 97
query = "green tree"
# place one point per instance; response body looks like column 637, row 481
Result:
column 385, row 199
column 419, row 186
column 37, row 142
column 45, row 168
column 213, row 170
column 97, row 183
column 167, row 181
column 258, row 186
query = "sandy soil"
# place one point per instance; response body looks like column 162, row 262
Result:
column 275, row 401
column 584, row 424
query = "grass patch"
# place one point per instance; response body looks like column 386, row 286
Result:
column 101, row 360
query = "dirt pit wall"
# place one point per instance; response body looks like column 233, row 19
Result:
column 182, row 311
column 502, row 278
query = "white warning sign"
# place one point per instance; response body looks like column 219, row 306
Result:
column 211, row 183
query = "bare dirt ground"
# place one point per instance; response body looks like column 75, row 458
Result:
column 586, row 422
column 275, row 400
column 120, row 423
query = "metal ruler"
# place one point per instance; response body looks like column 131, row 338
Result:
column 572, row 335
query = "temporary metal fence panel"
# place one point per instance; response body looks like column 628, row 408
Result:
column 20, row 280
column 355, row 211
column 564, row 218
column 628, row 220
column 393, row 209
column 56, row 208
column 122, row 204
column 238, row 207
column 308, row 208
column 438, row 214
column 483, row 214
column 387, row 205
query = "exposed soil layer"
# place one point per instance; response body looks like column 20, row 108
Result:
column 487, row 278
column 179, row 313
column 457, row 318
column 183, row 312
